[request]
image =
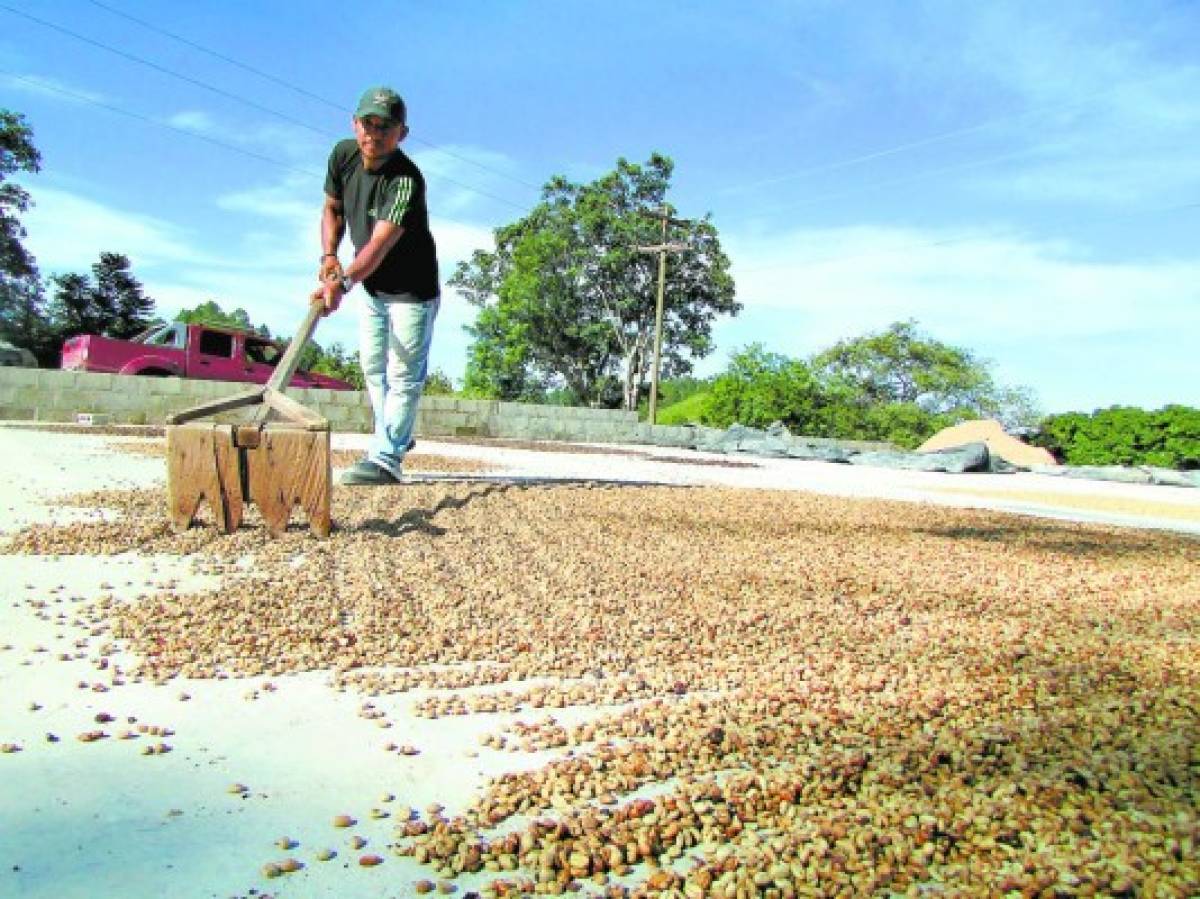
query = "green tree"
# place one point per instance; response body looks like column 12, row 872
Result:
column 337, row 362
column 72, row 310
column 24, row 322
column 211, row 313
column 907, row 425
column 566, row 298
column 499, row 363
column 22, row 314
column 121, row 296
column 110, row 301
column 902, row 365
column 761, row 387
column 1125, row 435
column 438, row 383
column 896, row 386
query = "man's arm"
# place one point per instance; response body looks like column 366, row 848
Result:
column 383, row 237
column 333, row 227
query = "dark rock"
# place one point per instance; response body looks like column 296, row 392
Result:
column 819, row 452
column 956, row 459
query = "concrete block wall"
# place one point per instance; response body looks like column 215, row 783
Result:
column 50, row 395
column 30, row 394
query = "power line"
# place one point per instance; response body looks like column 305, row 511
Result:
column 213, row 53
column 301, row 91
column 226, row 94
column 890, row 182
column 855, row 160
column 931, row 139
column 169, row 72
column 828, row 260
column 41, row 85
column 267, row 76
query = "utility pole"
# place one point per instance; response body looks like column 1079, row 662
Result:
column 661, row 249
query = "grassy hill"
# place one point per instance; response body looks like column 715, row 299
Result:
column 685, row 412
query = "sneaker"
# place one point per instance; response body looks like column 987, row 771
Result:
column 367, row 474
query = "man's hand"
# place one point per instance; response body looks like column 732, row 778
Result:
column 331, row 267
column 329, row 294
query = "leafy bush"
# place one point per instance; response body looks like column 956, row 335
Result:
column 760, row 388
column 438, row 383
column 1125, row 435
column 897, row 385
column 907, row 425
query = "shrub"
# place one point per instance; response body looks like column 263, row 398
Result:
column 1125, row 435
column 438, row 383
column 760, row 388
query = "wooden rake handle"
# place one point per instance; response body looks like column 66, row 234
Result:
column 287, row 366
column 291, row 359
column 271, row 395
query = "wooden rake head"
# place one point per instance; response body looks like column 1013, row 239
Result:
column 276, row 465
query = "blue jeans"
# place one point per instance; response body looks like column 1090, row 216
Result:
column 393, row 348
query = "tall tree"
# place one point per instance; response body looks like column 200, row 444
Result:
column 900, row 364
column 72, row 307
column 567, row 298
column 119, row 297
column 499, row 362
column 22, row 319
column 110, row 301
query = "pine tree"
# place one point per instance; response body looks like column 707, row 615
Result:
column 72, row 310
column 120, row 302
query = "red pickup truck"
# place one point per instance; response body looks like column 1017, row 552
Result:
column 188, row 351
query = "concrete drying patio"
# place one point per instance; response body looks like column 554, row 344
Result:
column 84, row 649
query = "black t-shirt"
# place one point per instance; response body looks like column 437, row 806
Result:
column 396, row 193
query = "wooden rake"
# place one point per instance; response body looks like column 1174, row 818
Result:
column 274, row 465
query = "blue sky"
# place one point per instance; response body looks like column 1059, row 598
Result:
column 1022, row 179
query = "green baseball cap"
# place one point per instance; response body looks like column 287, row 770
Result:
column 382, row 102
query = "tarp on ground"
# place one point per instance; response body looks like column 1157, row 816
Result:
column 971, row 456
column 999, row 442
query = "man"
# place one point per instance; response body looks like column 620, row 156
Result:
column 376, row 189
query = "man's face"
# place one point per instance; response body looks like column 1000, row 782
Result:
column 378, row 138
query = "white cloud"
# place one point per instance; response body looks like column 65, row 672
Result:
column 1120, row 110
column 178, row 268
column 51, row 88
column 1080, row 331
column 290, row 144
column 457, row 240
column 192, row 120
column 463, row 181
column 277, row 223
column 68, row 231
column 1023, row 288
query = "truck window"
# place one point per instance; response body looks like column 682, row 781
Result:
column 216, row 343
column 172, row 335
column 262, row 351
